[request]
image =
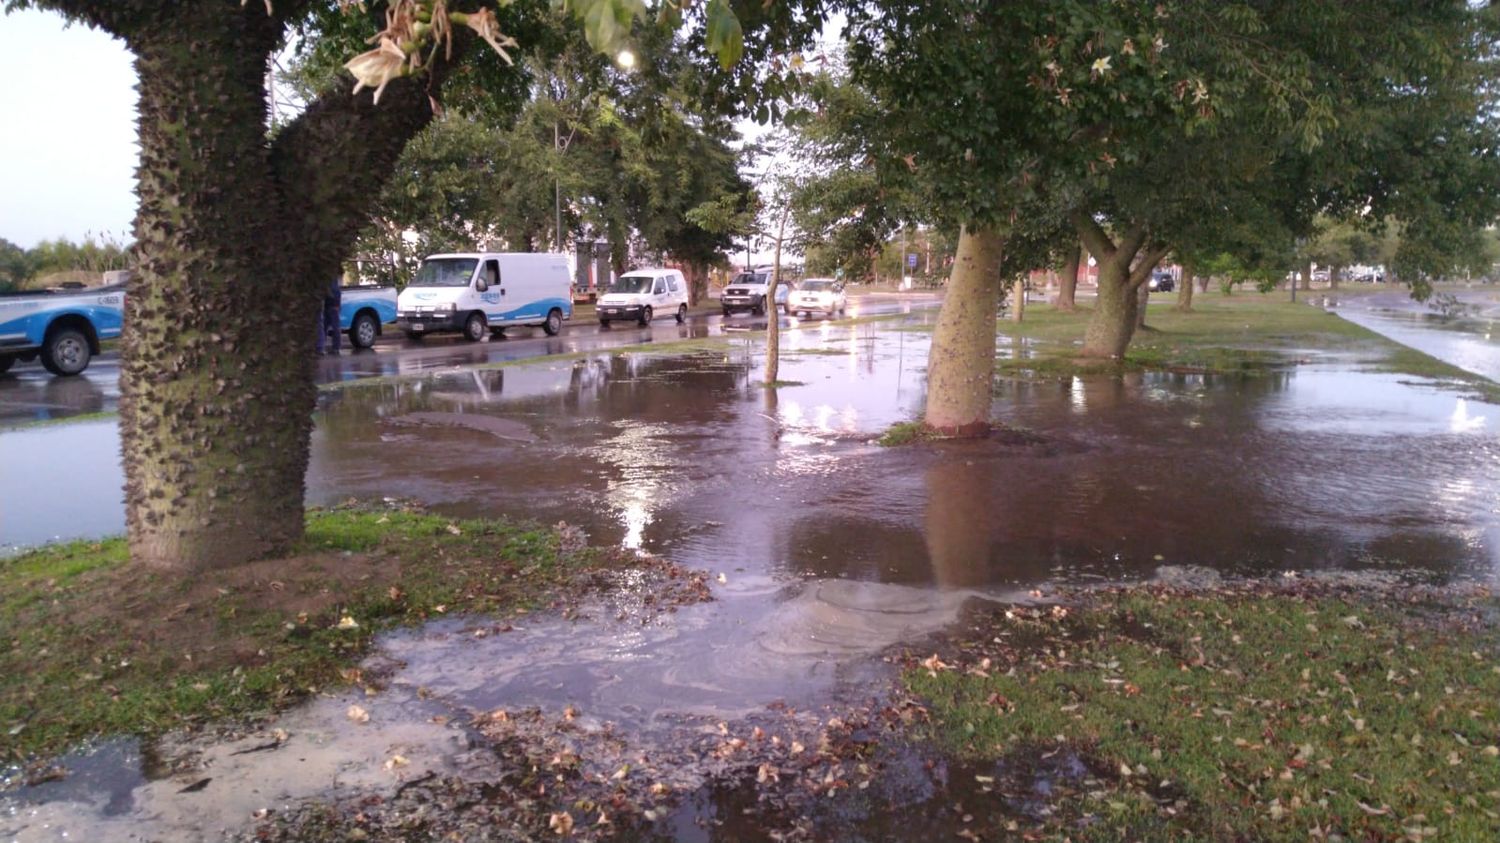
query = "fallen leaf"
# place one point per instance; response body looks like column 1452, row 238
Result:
column 357, row 714
column 396, row 761
column 562, row 822
column 453, row 528
column 347, row 622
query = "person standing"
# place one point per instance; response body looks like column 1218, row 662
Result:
column 330, row 336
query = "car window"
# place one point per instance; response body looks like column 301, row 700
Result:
column 630, row 284
column 445, row 272
column 659, row 288
column 672, row 283
column 492, row 273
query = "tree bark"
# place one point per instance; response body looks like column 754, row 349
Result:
column 1142, row 300
column 961, row 364
column 773, row 326
column 236, row 239
column 1113, row 322
column 1018, row 303
column 1185, row 289
column 1067, row 285
column 1333, row 276
column 1307, row 270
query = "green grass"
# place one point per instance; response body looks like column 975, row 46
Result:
column 95, row 644
column 907, row 433
column 1240, row 715
column 1246, row 333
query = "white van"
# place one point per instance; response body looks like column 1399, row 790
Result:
column 475, row 293
column 643, row 294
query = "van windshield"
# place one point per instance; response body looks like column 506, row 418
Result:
column 631, row 284
column 445, row 272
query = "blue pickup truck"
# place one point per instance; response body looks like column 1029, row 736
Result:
column 62, row 327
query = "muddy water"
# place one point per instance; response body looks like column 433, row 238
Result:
column 832, row 548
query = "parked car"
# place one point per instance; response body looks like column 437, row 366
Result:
column 1162, row 282
column 63, row 328
column 363, row 310
column 823, row 295
column 747, row 292
column 643, row 294
column 475, row 293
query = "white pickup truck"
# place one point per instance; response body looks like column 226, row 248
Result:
column 748, row 291
column 62, row 327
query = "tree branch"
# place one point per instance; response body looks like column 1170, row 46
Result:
column 1131, row 243
column 1148, row 262
column 332, row 161
column 1093, row 235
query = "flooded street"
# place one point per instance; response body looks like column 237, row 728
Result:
column 824, row 547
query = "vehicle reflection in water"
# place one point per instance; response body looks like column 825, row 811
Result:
column 37, row 396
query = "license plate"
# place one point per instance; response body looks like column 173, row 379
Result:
column 611, row 310
column 418, row 326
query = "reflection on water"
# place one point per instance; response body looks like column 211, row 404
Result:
column 60, row 482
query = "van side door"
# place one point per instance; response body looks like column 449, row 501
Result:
column 492, row 296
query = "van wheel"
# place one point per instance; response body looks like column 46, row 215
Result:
column 553, row 325
column 475, row 327
column 646, row 315
column 681, row 313
column 497, row 333
column 365, row 329
column 66, row 352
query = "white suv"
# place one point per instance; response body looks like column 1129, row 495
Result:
column 641, row 295
column 748, row 291
column 823, row 295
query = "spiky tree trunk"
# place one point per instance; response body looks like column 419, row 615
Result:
column 1185, row 289
column 1067, row 286
column 236, row 238
column 961, row 364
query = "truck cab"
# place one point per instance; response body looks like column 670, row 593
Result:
column 480, row 293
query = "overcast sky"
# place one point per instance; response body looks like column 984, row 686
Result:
column 68, row 152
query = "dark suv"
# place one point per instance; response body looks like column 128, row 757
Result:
column 1162, row 282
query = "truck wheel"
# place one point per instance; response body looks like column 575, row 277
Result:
column 415, row 337
column 604, row 323
column 681, row 313
column 5, row 361
column 728, row 313
column 475, row 327
column 553, row 325
column 365, row 329
column 760, row 306
column 66, row 352
column 646, row 315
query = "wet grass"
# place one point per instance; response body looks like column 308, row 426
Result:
column 907, row 433
column 1249, row 714
column 1245, row 333
column 96, row 644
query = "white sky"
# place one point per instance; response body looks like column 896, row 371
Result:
column 68, row 151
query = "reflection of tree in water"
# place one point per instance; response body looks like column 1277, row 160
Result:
column 974, row 537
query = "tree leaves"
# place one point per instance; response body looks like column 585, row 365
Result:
column 723, row 34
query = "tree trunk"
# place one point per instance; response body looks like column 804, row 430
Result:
column 697, row 281
column 1185, row 289
column 1307, row 270
column 236, row 240
column 1333, row 276
column 773, row 326
column 1067, row 288
column 961, row 364
column 1113, row 322
column 1142, row 299
column 1204, row 282
column 1018, row 296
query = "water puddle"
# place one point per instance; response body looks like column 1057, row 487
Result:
column 823, row 549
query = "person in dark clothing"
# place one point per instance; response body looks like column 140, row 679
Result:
column 329, row 335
